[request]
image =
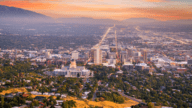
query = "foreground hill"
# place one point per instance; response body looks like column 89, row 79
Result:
column 80, row 103
column 104, row 104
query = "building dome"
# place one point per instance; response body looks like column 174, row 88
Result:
column 62, row 66
column 73, row 64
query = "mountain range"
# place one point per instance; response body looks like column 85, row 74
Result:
column 13, row 14
column 6, row 11
column 18, row 14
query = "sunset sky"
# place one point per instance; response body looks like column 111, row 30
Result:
column 108, row 9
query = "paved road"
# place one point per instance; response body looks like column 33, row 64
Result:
column 104, row 36
column 94, row 95
column 132, row 98
column 83, row 85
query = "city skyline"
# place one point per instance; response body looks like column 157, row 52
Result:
column 104, row 9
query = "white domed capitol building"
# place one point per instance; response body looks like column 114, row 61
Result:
column 73, row 71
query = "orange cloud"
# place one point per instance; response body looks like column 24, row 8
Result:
column 27, row 4
column 155, row 0
column 104, row 11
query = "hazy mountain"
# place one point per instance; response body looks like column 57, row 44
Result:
column 6, row 11
column 85, row 20
column 179, row 21
column 14, row 14
column 139, row 21
column 147, row 21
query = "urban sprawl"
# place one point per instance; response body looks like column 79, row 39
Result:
column 150, row 71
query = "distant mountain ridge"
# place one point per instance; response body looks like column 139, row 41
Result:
column 15, row 15
column 187, row 21
column 6, row 11
column 86, row 20
column 20, row 15
column 142, row 20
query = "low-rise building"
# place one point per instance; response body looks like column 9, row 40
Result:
column 141, row 66
column 181, row 70
column 128, row 66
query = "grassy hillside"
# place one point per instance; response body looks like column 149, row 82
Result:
column 105, row 104
column 80, row 103
column 13, row 90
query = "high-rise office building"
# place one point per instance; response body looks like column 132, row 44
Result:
column 145, row 56
column 75, row 55
column 137, row 54
column 112, row 55
column 123, row 56
column 97, row 56
column 130, row 52
column 91, row 55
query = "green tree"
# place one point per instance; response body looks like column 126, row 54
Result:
column 31, row 105
column 58, row 98
column 52, row 106
column 2, row 102
column 68, row 104
column 150, row 105
column 7, row 105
